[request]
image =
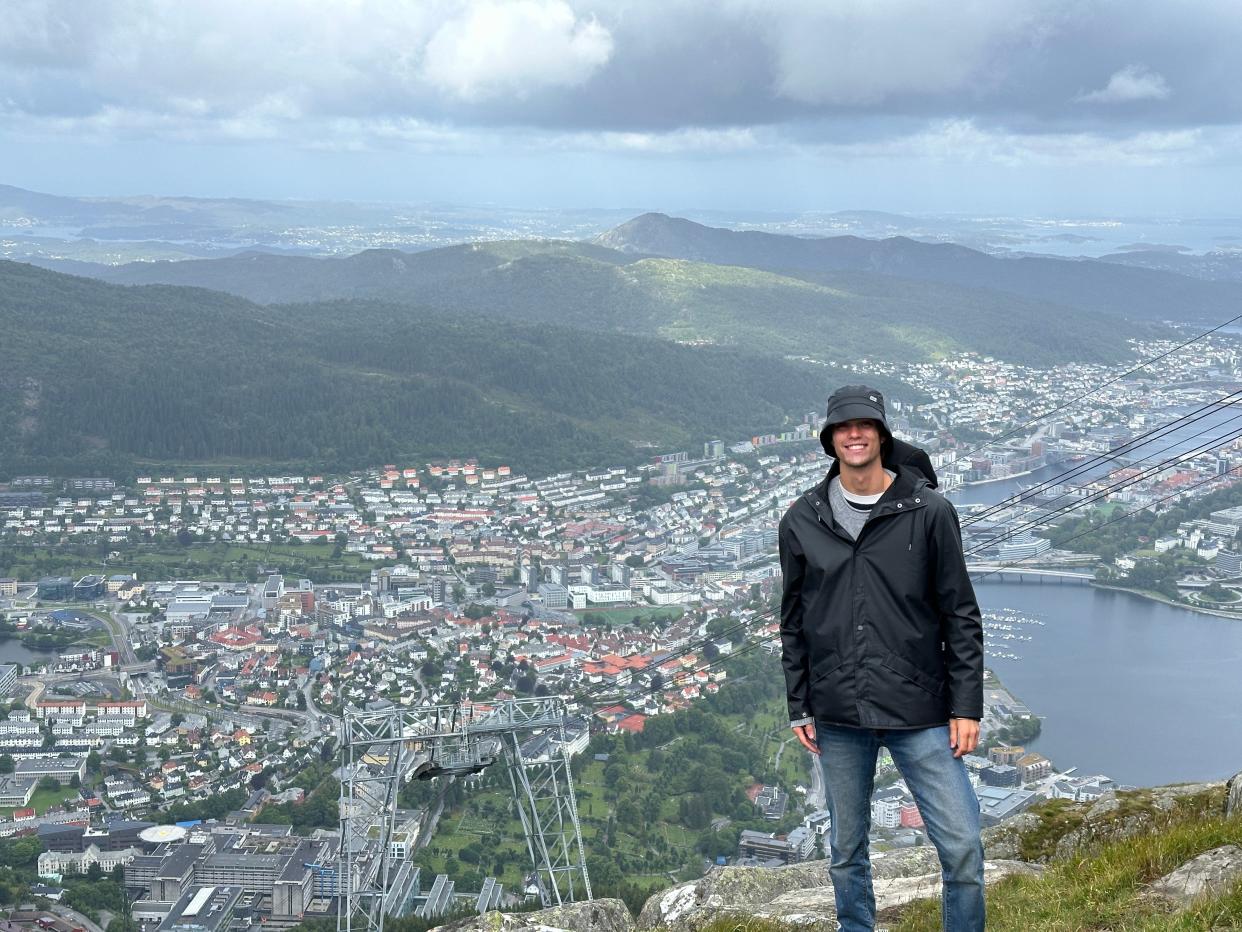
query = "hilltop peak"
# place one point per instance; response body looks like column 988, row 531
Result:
column 656, row 234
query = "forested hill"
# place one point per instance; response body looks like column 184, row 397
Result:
column 841, row 315
column 1086, row 284
column 103, row 377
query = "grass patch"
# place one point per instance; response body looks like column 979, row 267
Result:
column 749, row 924
column 623, row 616
column 1104, row 888
column 43, row 800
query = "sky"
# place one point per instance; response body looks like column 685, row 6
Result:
column 1045, row 107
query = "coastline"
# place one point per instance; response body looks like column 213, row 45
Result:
column 974, row 483
column 1157, row 597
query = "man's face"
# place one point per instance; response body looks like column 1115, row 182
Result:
column 857, row 442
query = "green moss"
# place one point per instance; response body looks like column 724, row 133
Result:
column 1104, row 885
column 1058, row 817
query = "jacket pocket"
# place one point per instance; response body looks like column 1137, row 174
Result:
column 826, row 668
column 830, row 691
column 905, row 669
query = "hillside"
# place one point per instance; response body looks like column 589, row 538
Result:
column 1165, row 859
column 101, row 377
column 1085, row 284
column 596, row 288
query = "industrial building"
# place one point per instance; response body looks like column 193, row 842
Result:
column 8, row 678
column 279, row 875
column 203, row 909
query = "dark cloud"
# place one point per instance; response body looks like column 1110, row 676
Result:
column 814, row 72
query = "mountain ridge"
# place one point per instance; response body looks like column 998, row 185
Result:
column 593, row 287
column 100, row 377
column 1128, row 290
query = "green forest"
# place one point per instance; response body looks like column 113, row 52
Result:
column 108, row 379
column 758, row 305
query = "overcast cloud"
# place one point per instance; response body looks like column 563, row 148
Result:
column 1146, row 82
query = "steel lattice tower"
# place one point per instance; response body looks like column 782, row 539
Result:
column 383, row 749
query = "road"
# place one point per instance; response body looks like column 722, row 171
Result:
column 72, row 915
column 35, row 694
column 119, row 632
column 776, row 766
column 312, row 728
column 817, row 799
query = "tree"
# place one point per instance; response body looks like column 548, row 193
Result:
column 48, row 784
column 20, row 852
column 6, row 763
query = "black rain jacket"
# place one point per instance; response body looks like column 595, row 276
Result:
column 882, row 632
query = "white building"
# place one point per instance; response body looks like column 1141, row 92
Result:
column 55, row 864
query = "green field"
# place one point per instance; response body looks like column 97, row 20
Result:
column 623, row 616
column 43, row 800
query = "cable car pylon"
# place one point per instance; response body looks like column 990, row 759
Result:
column 385, row 748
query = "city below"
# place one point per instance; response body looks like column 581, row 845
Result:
column 137, row 699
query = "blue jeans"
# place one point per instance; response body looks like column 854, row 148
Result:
column 946, row 801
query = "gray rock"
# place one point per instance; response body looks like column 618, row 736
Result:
column 1112, row 818
column 1233, row 796
column 814, row 908
column 1106, row 804
column 1209, row 874
column 1165, row 797
column 1004, row 842
column 595, row 916
column 723, row 889
column 801, row 894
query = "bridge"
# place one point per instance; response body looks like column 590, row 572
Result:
column 1002, row 572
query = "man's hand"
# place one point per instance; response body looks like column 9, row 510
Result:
column 963, row 735
column 806, row 734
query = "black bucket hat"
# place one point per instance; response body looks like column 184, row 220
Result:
column 852, row 403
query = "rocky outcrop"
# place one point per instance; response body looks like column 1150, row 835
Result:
column 1233, row 796
column 800, row 894
column 1060, row 829
column 595, row 916
column 1209, row 874
column 1117, row 816
column 1004, row 841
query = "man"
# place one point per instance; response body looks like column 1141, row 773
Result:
column 882, row 645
